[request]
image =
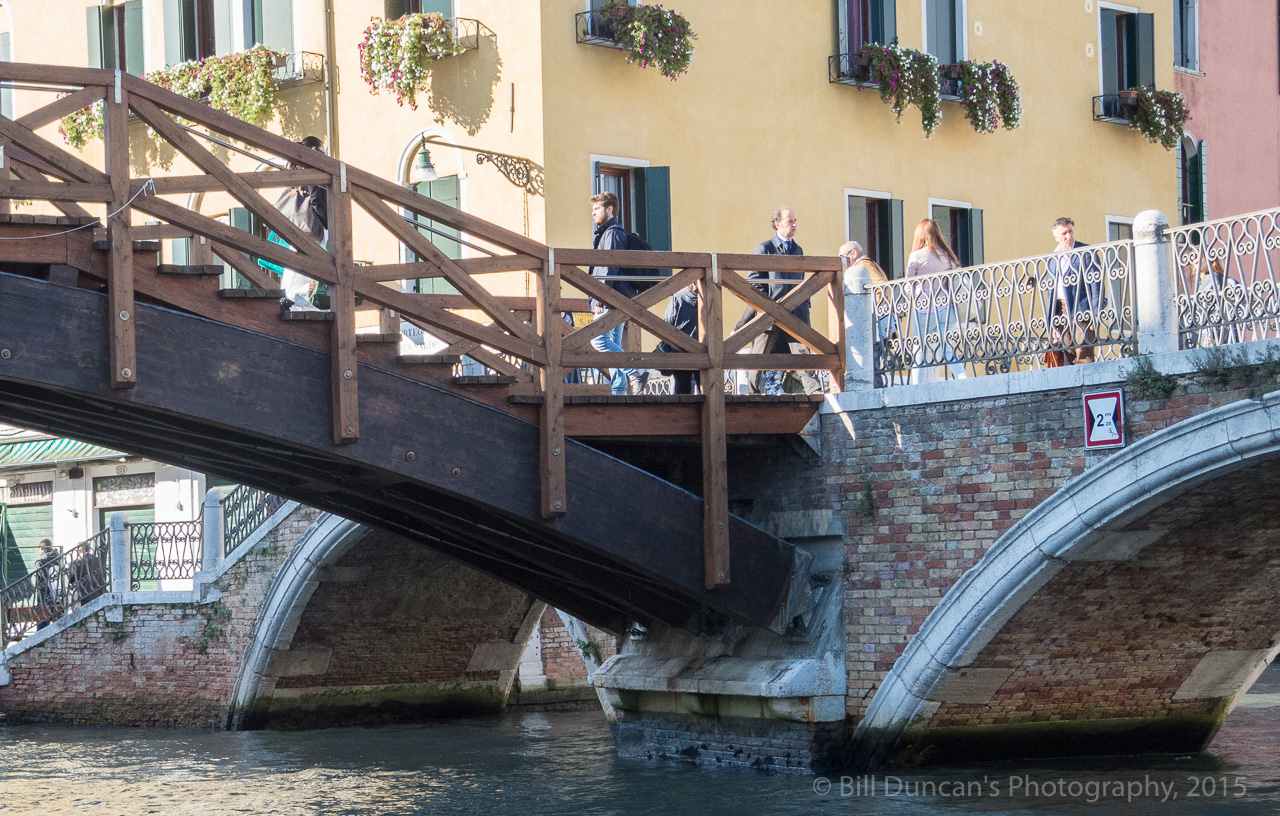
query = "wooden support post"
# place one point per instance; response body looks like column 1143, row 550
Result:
column 715, row 465
column 388, row 321
column 120, row 305
column 555, row 499
column 835, row 308
column 346, row 416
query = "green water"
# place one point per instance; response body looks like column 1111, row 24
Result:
column 564, row 763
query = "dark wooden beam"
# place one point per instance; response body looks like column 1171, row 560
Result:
column 555, row 500
column 715, row 454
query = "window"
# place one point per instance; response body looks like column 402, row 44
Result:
column 6, row 55
column 644, row 194
column 865, row 21
column 1119, row 229
column 399, row 8
column 270, row 22
column 875, row 221
column 944, row 28
column 1193, row 192
column 1186, row 34
column 26, row 517
column 115, row 37
column 1128, row 50
column 447, row 190
column 961, row 225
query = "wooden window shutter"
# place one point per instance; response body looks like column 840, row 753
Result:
column 135, row 45
column 653, row 206
column 223, row 43
column 976, row 251
column 394, row 9
column 896, row 267
column 277, row 25
column 1146, row 50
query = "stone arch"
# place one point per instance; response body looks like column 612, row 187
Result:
column 361, row 625
column 1093, row 518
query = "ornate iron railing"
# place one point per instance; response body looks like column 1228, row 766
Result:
column 1116, row 107
column 1226, row 279
column 1014, row 314
column 243, row 511
column 55, row 587
column 299, row 69
column 594, row 28
column 164, row 550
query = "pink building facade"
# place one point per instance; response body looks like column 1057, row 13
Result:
column 1227, row 61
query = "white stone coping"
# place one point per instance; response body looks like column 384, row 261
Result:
column 1108, row 373
column 1082, row 521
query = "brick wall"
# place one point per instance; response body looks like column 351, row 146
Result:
column 561, row 657
column 945, row 482
column 163, row 664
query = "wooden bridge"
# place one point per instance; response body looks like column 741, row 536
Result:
column 101, row 341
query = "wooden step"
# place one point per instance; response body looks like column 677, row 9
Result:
column 429, row 359
column 190, row 271
column 250, row 294
column 370, row 338
column 138, row 246
column 485, row 379
column 305, row 315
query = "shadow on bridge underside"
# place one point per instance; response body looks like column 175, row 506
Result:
column 432, row 466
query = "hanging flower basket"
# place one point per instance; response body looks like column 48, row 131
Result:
column 990, row 95
column 397, row 55
column 242, row 85
column 1160, row 116
column 651, row 36
column 906, row 77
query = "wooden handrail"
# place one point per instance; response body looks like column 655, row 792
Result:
column 495, row 331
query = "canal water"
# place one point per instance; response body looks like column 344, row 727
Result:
column 533, row 764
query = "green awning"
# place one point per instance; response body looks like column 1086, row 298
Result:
column 51, row 451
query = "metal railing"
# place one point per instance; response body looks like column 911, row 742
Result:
column 594, row 28
column 164, row 550
column 998, row 317
column 55, row 587
column 243, row 511
column 1225, row 273
column 158, row 551
column 1117, row 107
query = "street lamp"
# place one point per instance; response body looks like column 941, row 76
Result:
column 522, row 172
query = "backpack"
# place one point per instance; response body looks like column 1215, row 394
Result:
column 636, row 243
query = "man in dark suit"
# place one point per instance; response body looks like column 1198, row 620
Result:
column 775, row 285
column 1076, row 294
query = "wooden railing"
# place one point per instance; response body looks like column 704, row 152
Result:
column 492, row 330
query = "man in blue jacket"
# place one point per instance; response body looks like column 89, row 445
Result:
column 609, row 234
column 1076, row 294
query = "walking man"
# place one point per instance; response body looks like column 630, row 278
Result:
column 46, row 587
column 775, row 286
column 609, row 234
column 1077, row 295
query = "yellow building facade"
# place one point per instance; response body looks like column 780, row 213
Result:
column 755, row 124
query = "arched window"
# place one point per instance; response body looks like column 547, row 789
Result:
column 1193, row 188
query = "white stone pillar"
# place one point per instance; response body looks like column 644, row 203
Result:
column 121, row 560
column 1155, row 290
column 213, row 535
column 859, row 330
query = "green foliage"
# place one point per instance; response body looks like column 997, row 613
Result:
column 589, row 650
column 652, row 35
column 1269, row 366
column 1161, row 117
column 905, row 77
column 1222, row 365
column 990, row 95
column 397, row 55
column 1145, row 381
column 216, row 615
column 242, row 85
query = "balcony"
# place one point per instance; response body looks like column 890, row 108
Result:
column 850, row 69
column 1119, row 108
column 299, row 70
column 593, row 28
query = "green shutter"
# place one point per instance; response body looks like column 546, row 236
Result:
column 172, row 32
column 1203, row 155
column 443, row 7
column 653, row 206
column 242, row 219
column 976, row 253
column 884, row 23
column 942, row 24
column 393, row 9
column 448, row 191
column 135, row 45
column 896, row 267
column 102, row 52
column 1145, row 53
column 28, row 524
column 1110, row 52
column 1178, row 30
column 277, row 24
column 222, row 40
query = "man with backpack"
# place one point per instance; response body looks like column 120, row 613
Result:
column 609, row 234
